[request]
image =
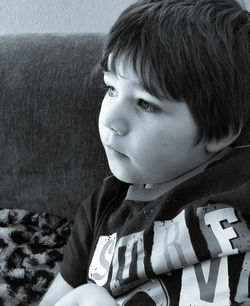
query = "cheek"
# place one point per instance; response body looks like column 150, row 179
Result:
column 102, row 115
column 160, row 137
column 101, row 127
column 102, row 111
column 152, row 146
column 168, row 141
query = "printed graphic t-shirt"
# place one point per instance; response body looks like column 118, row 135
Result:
column 189, row 246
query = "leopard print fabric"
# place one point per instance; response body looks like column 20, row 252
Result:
column 31, row 249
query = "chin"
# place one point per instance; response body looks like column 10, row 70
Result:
column 123, row 176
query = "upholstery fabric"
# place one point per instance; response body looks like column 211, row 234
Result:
column 50, row 95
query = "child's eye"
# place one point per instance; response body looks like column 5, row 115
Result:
column 147, row 106
column 111, row 91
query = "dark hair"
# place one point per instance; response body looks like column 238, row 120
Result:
column 192, row 50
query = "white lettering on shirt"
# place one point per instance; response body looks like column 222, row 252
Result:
column 223, row 236
column 128, row 261
column 205, row 283
column 99, row 267
column 242, row 293
column 172, row 248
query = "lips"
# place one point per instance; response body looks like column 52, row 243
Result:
column 114, row 149
column 109, row 144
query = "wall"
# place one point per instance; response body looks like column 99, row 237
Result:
column 246, row 3
column 51, row 16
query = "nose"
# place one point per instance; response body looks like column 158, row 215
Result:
column 115, row 118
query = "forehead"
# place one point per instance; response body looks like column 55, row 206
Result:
column 125, row 69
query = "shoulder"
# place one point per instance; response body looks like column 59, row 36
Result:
column 109, row 191
column 221, row 227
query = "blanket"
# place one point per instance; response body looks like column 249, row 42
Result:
column 31, row 249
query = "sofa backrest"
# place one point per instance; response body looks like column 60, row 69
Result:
column 50, row 95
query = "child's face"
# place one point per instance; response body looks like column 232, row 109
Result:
column 146, row 140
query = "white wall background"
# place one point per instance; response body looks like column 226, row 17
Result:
column 246, row 3
column 57, row 16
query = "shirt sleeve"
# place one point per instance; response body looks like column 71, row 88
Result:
column 75, row 264
column 74, row 267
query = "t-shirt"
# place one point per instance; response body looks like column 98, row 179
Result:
column 189, row 246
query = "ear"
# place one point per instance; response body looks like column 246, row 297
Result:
column 214, row 146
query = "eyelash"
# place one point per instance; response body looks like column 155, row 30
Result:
column 145, row 105
column 109, row 89
column 148, row 107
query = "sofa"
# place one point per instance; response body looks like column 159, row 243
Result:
column 51, row 157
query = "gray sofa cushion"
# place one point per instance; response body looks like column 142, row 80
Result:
column 50, row 95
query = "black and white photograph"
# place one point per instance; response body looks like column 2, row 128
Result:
column 124, row 152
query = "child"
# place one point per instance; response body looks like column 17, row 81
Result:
column 170, row 224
